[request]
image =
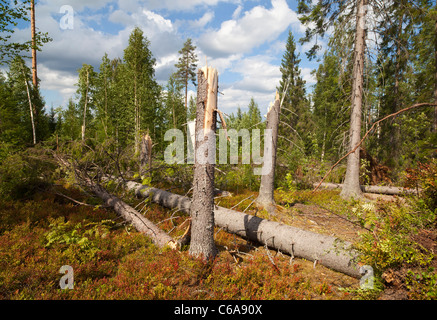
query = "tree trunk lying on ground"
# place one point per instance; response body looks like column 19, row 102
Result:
column 373, row 189
column 326, row 250
column 138, row 221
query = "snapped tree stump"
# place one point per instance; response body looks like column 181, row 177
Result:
column 267, row 185
column 202, row 206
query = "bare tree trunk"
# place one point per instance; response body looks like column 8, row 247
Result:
column 267, row 186
column 138, row 221
column 202, row 207
column 351, row 186
column 85, row 105
column 30, row 108
column 372, row 189
column 32, row 26
column 145, row 154
column 326, row 250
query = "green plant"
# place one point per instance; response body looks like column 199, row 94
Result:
column 422, row 285
column 389, row 242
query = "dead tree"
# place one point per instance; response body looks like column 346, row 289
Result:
column 202, row 206
column 265, row 197
column 326, row 250
column 389, row 190
column 145, row 154
column 129, row 214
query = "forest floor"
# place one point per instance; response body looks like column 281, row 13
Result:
column 112, row 261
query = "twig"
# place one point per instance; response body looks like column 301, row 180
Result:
column 249, row 206
column 80, row 203
column 271, row 259
column 242, row 201
column 367, row 133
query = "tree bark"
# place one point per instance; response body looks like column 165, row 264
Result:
column 85, row 105
column 202, row 207
column 145, row 154
column 267, row 185
column 389, row 190
column 32, row 26
column 30, row 108
column 351, row 187
column 138, row 221
column 328, row 251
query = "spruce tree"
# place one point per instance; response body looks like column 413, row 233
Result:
column 143, row 90
column 295, row 118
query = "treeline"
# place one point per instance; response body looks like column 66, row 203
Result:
column 123, row 101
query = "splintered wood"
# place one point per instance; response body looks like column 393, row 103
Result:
column 211, row 76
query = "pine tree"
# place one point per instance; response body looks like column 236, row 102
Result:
column 186, row 67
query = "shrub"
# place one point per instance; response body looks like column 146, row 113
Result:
column 425, row 177
column 24, row 173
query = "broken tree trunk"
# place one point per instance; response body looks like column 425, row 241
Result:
column 326, row 250
column 373, row 189
column 202, row 206
column 138, row 221
column 267, row 185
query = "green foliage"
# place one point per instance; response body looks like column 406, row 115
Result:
column 24, row 173
column 422, row 285
column 186, row 68
column 12, row 12
column 390, row 244
column 424, row 177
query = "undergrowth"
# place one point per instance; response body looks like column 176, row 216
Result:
column 112, row 261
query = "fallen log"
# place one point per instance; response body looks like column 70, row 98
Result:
column 326, row 250
column 138, row 221
column 372, row 189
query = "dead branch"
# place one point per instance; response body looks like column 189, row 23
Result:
column 418, row 105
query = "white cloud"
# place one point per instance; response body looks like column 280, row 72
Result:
column 308, row 76
column 171, row 5
column 237, row 12
column 61, row 81
column 159, row 22
column 257, row 26
column 258, row 74
column 202, row 21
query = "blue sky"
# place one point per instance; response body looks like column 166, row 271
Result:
column 244, row 40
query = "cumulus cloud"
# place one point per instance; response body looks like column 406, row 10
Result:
column 241, row 35
column 202, row 21
column 258, row 74
column 60, row 59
